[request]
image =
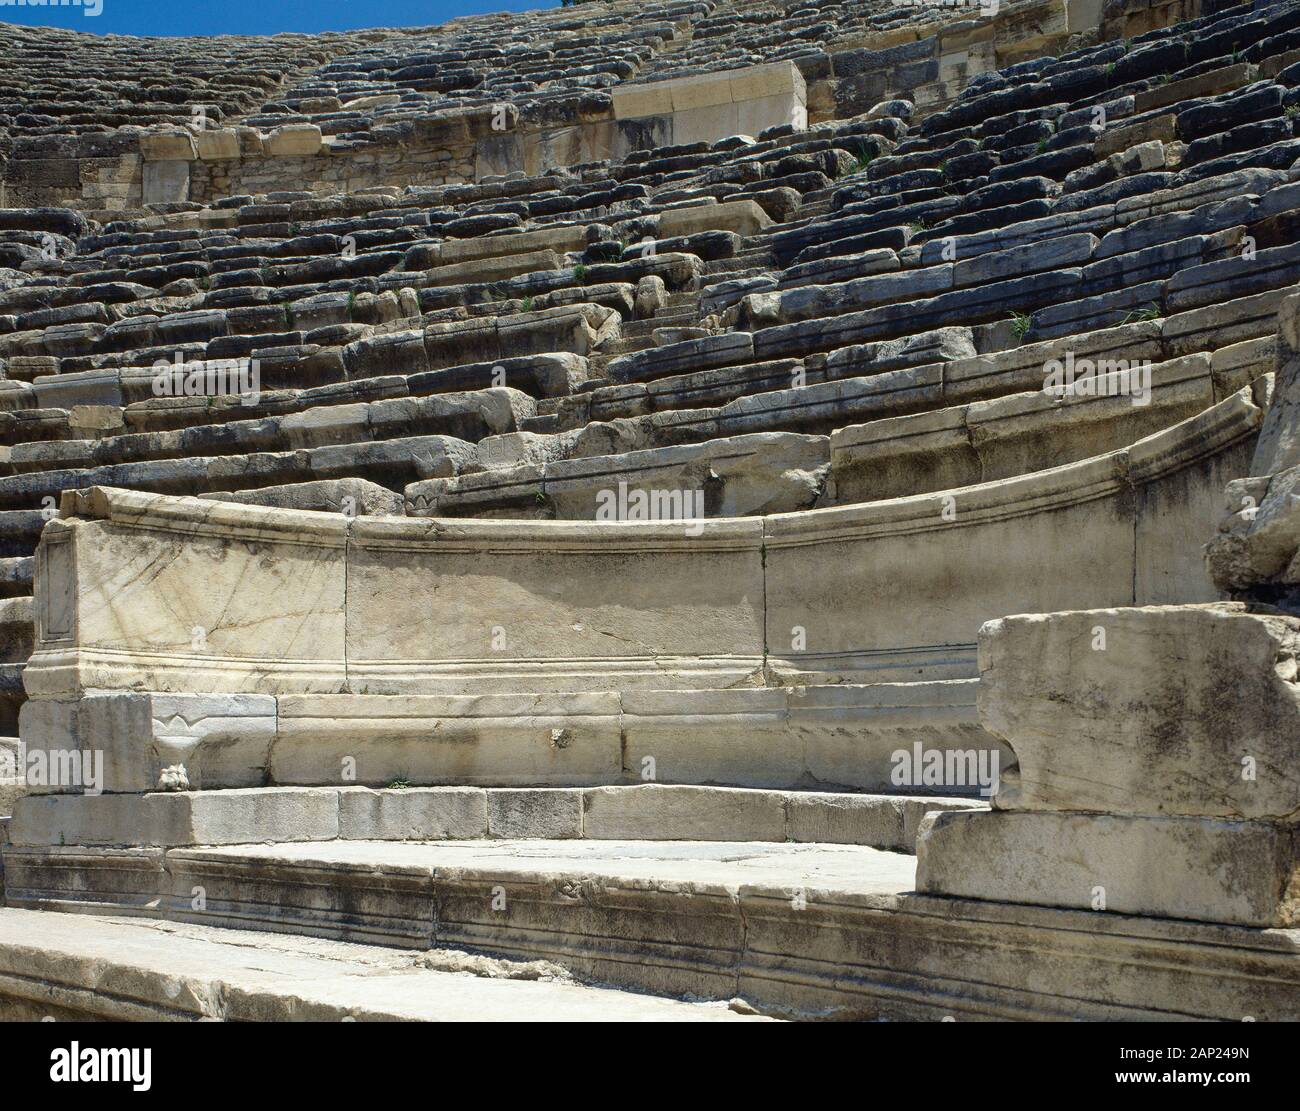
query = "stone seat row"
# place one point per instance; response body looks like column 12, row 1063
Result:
column 936, row 212
column 1020, row 427
column 1238, row 34
column 740, row 470
column 1161, row 280
column 225, row 266
column 602, row 403
column 48, row 70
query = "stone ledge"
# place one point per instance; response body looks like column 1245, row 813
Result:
column 76, row 967
column 826, row 931
column 647, row 811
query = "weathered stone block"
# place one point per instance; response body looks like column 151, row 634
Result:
column 166, row 182
column 216, row 146
column 683, row 814
column 742, row 217
column 185, row 818
column 1243, row 873
column 167, row 146
column 1187, row 710
column 412, row 814
column 636, row 101
column 296, row 140
column 551, row 813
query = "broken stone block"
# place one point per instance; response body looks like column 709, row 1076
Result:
column 350, row 496
column 1241, row 873
column 128, row 742
column 1279, row 438
column 1168, row 710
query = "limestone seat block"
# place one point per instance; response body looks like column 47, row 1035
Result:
column 295, row 140
column 1163, row 710
column 558, row 239
column 491, row 269
column 166, row 146
column 180, row 818
column 651, row 812
column 219, row 145
column 744, row 217
column 379, row 100
column 637, row 101
column 191, row 741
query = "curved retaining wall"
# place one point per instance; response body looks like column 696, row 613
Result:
column 145, row 592
column 260, row 645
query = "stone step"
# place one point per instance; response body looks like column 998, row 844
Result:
column 468, row 416
column 759, row 257
column 684, row 316
column 800, row 931
column 393, row 463
column 738, row 274
column 71, row 967
column 629, row 344
column 649, row 812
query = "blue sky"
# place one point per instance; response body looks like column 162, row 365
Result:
column 252, row 17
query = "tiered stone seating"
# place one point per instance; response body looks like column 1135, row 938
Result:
column 384, row 355
column 140, row 82
column 772, row 355
column 709, row 458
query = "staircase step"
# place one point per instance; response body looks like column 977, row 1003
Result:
column 128, row 969
column 628, row 344
column 659, row 916
column 788, row 930
column 677, row 318
column 649, row 811
column 735, row 275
